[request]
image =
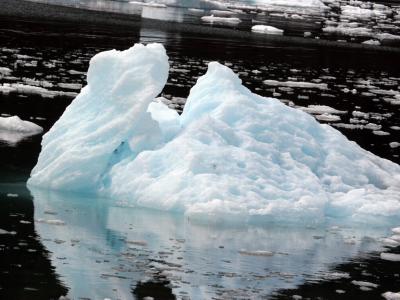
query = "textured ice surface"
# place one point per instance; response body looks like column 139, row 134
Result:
column 231, row 152
column 105, row 120
column 17, row 125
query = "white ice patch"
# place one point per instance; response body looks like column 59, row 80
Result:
column 221, row 20
column 297, row 84
column 391, row 296
column 266, row 29
column 15, row 124
column 230, row 153
column 390, row 256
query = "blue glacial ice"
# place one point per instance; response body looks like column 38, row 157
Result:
column 231, row 152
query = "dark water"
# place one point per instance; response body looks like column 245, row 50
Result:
column 295, row 21
column 94, row 248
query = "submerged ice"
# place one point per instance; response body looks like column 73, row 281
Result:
column 231, row 152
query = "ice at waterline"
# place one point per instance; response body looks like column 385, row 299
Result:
column 230, row 153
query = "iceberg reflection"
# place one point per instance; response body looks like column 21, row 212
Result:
column 103, row 250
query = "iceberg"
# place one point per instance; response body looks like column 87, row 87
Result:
column 230, row 154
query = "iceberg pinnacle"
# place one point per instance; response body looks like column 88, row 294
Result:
column 231, row 152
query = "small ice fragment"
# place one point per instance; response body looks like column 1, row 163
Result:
column 10, row 195
column 390, row 256
column 364, row 284
column 2, row 231
column 396, row 230
column 391, row 296
column 394, row 145
column 220, row 20
column 266, row 29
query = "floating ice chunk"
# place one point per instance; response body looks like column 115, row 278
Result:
column 391, row 296
column 221, row 20
column 350, row 31
column 266, row 29
column 390, row 256
column 233, row 154
column 2, row 231
column 327, row 118
column 396, row 230
column 380, row 132
column 11, row 195
column 15, row 124
column 364, row 284
column 322, row 109
column 296, row 84
column 5, row 71
column 71, row 86
column 372, row 42
column 390, row 242
column 360, row 114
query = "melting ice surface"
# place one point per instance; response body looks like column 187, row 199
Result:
column 231, row 152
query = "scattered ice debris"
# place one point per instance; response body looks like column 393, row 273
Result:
column 296, row 84
column 391, row 296
column 297, row 297
column 19, row 88
column 11, row 195
column 266, row 29
column 51, row 222
column 390, row 256
column 256, row 253
column 340, row 291
column 221, row 20
column 229, row 145
column 2, row 231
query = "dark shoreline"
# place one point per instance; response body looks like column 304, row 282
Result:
column 23, row 10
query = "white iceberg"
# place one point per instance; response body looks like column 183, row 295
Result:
column 230, row 153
